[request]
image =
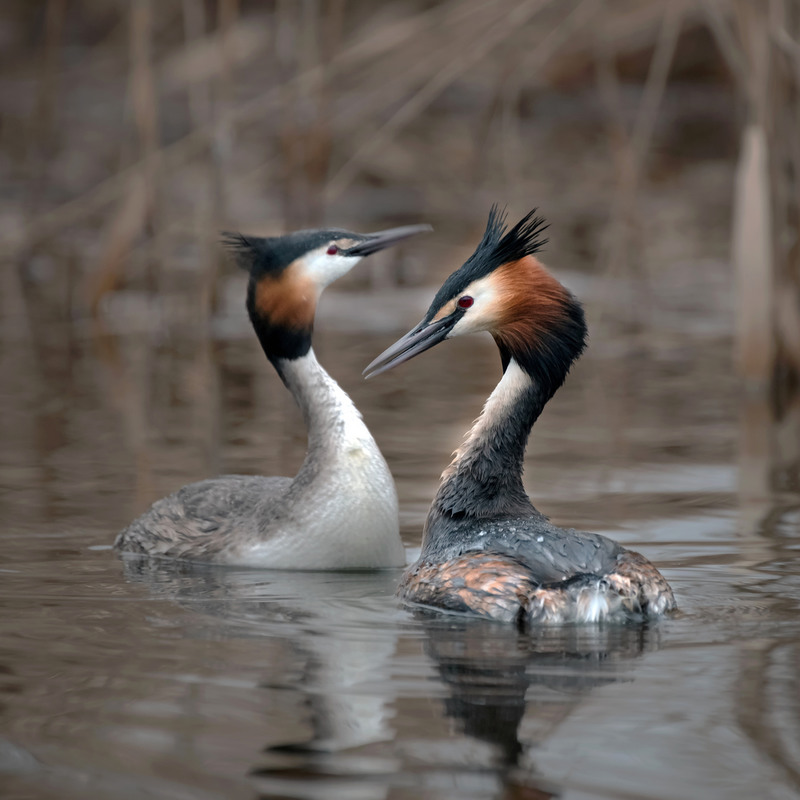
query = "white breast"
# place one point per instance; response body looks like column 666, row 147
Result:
column 341, row 511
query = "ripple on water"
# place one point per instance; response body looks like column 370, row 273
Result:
column 125, row 678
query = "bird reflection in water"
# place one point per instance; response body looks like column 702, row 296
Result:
column 358, row 738
column 495, row 676
column 334, row 629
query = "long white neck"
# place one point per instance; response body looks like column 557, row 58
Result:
column 340, row 510
column 330, row 416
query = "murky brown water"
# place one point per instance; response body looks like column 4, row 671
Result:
column 124, row 679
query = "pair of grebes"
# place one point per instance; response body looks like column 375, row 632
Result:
column 486, row 550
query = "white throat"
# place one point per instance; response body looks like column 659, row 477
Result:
column 515, row 382
column 324, row 268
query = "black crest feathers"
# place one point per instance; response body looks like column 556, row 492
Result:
column 270, row 255
column 497, row 247
column 243, row 249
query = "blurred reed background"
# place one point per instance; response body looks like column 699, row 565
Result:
column 661, row 138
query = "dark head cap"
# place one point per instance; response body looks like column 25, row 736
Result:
column 504, row 289
column 288, row 273
column 496, row 248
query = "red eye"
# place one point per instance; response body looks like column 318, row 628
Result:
column 333, row 250
column 465, row 302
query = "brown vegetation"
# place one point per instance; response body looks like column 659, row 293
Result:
column 132, row 132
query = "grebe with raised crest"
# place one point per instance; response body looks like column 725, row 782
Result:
column 485, row 549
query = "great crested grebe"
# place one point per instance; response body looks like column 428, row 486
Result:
column 340, row 510
column 485, row 549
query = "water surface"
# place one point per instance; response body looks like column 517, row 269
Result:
column 124, row 678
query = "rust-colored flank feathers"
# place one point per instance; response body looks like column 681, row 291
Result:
column 488, row 585
column 504, row 588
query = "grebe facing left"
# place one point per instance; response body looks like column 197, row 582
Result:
column 340, row 511
column 485, row 549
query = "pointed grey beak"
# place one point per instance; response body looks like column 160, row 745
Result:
column 416, row 341
column 372, row 242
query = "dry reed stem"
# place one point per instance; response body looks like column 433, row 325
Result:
column 535, row 61
column 48, row 74
column 751, row 18
column 783, row 25
column 631, row 30
column 404, row 71
column 415, row 105
column 178, row 152
column 208, row 210
column 197, row 47
column 17, row 325
column 656, row 83
column 533, row 65
column 752, row 243
column 288, row 136
column 121, row 232
column 222, row 143
column 138, row 203
column 728, row 46
column 321, row 44
column 788, row 45
column 752, row 257
column 142, row 92
column 39, row 155
column 192, row 144
column 630, row 150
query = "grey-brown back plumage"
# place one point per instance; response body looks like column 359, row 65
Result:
column 548, row 552
column 206, row 517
